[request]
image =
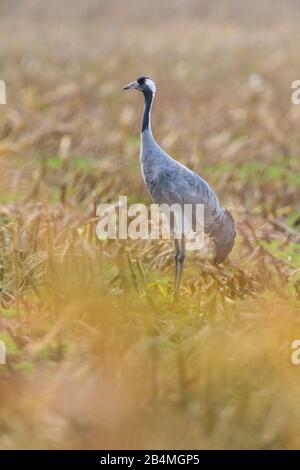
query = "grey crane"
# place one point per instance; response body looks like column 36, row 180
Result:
column 170, row 182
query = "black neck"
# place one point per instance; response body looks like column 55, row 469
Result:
column 148, row 96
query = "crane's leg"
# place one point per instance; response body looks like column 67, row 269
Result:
column 179, row 260
column 176, row 256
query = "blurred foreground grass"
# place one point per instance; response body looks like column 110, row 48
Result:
column 99, row 356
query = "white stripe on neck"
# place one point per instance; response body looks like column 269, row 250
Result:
column 150, row 83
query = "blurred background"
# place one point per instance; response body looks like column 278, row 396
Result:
column 64, row 67
column 98, row 356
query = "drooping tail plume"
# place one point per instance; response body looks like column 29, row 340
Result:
column 223, row 238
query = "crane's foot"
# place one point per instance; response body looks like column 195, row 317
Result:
column 175, row 295
column 179, row 260
column 178, row 274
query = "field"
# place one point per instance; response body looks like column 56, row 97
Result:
column 98, row 354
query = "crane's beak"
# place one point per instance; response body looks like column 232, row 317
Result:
column 131, row 86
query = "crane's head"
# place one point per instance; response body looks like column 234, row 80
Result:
column 142, row 84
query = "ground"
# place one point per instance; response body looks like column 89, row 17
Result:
column 98, row 354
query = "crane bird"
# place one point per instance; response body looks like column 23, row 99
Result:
column 169, row 182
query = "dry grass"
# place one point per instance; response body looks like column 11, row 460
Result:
column 98, row 354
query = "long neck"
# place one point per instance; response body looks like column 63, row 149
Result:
column 146, row 122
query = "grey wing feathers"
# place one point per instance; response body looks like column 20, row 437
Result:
column 170, row 182
column 178, row 184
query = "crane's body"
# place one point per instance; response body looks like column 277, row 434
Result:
column 169, row 182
